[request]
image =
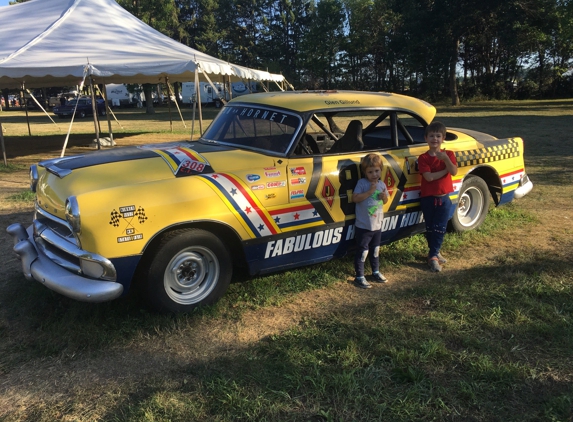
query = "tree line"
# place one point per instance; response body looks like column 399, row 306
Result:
column 433, row 49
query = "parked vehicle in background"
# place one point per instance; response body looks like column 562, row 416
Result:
column 209, row 96
column 119, row 96
column 84, row 108
column 267, row 187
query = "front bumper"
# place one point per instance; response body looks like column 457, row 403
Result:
column 37, row 265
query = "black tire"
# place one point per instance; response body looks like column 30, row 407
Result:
column 191, row 268
column 82, row 114
column 473, row 205
column 102, row 112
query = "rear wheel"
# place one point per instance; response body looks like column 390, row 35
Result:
column 473, row 204
column 191, row 268
column 82, row 114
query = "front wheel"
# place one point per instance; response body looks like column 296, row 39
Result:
column 473, row 204
column 190, row 268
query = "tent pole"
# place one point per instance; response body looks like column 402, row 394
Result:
column 169, row 103
column 176, row 103
column 41, row 107
column 230, row 87
column 107, row 111
column 200, row 109
column 23, row 98
column 194, row 104
column 94, row 109
column 2, row 141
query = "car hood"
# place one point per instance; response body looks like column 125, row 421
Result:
column 131, row 166
column 182, row 158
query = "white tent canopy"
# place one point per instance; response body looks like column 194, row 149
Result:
column 56, row 42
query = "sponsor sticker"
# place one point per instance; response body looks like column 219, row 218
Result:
column 131, row 238
column 294, row 194
column 277, row 184
column 298, row 181
column 128, row 216
column 272, row 173
column 258, row 187
column 253, row 177
column 297, row 171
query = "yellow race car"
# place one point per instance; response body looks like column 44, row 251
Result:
column 268, row 187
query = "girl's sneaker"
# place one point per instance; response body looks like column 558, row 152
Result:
column 379, row 278
column 434, row 265
column 441, row 259
column 362, row 283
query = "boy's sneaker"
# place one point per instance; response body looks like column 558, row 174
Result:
column 434, row 265
column 441, row 259
column 379, row 278
column 362, row 283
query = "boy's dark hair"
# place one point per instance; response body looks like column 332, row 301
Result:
column 436, row 127
column 370, row 160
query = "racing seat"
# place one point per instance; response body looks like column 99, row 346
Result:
column 351, row 140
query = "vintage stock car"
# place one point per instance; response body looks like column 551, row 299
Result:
column 268, row 187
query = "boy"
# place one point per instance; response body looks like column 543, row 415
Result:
column 437, row 166
column 369, row 195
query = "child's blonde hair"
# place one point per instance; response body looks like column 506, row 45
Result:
column 370, row 160
column 436, row 126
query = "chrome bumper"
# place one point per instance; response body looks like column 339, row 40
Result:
column 36, row 265
column 524, row 188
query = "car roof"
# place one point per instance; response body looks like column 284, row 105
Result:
column 305, row 101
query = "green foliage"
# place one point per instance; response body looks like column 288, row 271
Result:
column 11, row 168
column 24, row 196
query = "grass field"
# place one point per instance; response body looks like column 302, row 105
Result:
column 488, row 339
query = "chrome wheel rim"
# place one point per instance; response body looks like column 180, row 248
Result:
column 191, row 275
column 470, row 206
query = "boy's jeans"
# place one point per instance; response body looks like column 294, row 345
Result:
column 436, row 210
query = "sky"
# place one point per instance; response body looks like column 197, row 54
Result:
column 4, row 2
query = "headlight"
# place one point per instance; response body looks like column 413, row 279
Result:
column 33, row 177
column 73, row 214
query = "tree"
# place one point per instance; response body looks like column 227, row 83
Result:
column 323, row 44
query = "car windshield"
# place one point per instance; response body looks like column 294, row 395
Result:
column 254, row 127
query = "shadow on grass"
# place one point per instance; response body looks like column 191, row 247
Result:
column 488, row 343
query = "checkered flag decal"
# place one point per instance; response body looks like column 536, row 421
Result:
column 114, row 220
column 140, row 214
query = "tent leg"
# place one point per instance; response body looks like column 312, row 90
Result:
column 23, row 98
column 94, row 110
column 41, row 107
column 198, row 88
column 169, row 103
column 107, row 111
column 176, row 103
column 195, row 102
column 3, row 146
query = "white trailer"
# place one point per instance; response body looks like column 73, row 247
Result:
column 209, row 96
column 241, row 88
column 119, row 96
